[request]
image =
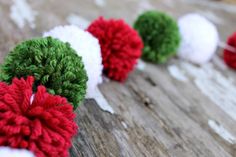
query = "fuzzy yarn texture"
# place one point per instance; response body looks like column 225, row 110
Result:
column 40, row 122
column 120, row 44
column 11, row 152
column 229, row 56
column 199, row 38
column 87, row 47
column 53, row 63
column 160, row 35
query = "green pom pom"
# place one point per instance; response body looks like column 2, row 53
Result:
column 53, row 63
column 160, row 35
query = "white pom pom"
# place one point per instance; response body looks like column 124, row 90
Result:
column 199, row 38
column 87, row 47
column 10, row 152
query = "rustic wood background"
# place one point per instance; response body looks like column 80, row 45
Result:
column 157, row 113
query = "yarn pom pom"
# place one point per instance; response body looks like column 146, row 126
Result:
column 121, row 46
column 87, row 47
column 53, row 64
column 230, row 56
column 160, row 35
column 199, row 38
column 40, row 122
column 10, row 152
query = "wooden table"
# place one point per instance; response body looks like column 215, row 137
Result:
column 172, row 110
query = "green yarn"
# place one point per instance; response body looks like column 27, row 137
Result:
column 53, row 63
column 160, row 35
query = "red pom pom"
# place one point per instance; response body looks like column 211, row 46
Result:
column 229, row 56
column 42, row 123
column 121, row 46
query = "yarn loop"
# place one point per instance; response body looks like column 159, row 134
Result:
column 160, row 35
column 53, row 63
column 42, row 124
column 120, row 44
column 85, row 46
column 230, row 56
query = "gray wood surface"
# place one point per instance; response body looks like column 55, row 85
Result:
column 156, row 115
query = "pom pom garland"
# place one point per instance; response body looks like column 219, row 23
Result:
column 10, row 152
column 120, row 44
column 87, row 47
column 53, row 64
column 44, row 127
column 160, row 35
column 230, row 55
column 199, row 38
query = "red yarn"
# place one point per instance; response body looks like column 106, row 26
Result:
column 44, row 127
column 229, row 56
column 121, row 46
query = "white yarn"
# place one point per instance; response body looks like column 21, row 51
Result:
column 199, row 38
column 10, row 152
column 87, row 47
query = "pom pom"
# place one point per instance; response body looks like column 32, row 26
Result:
column 199, row 38
column 53, row 64
column 230, row 56
column 160, row 35
column 87, row 47
column 10, row 152
column 43, row 125
column 121, row 46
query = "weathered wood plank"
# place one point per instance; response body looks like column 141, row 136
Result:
column 192, row 102
column 104, row 134
column 155, row 114
column 168, row 123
